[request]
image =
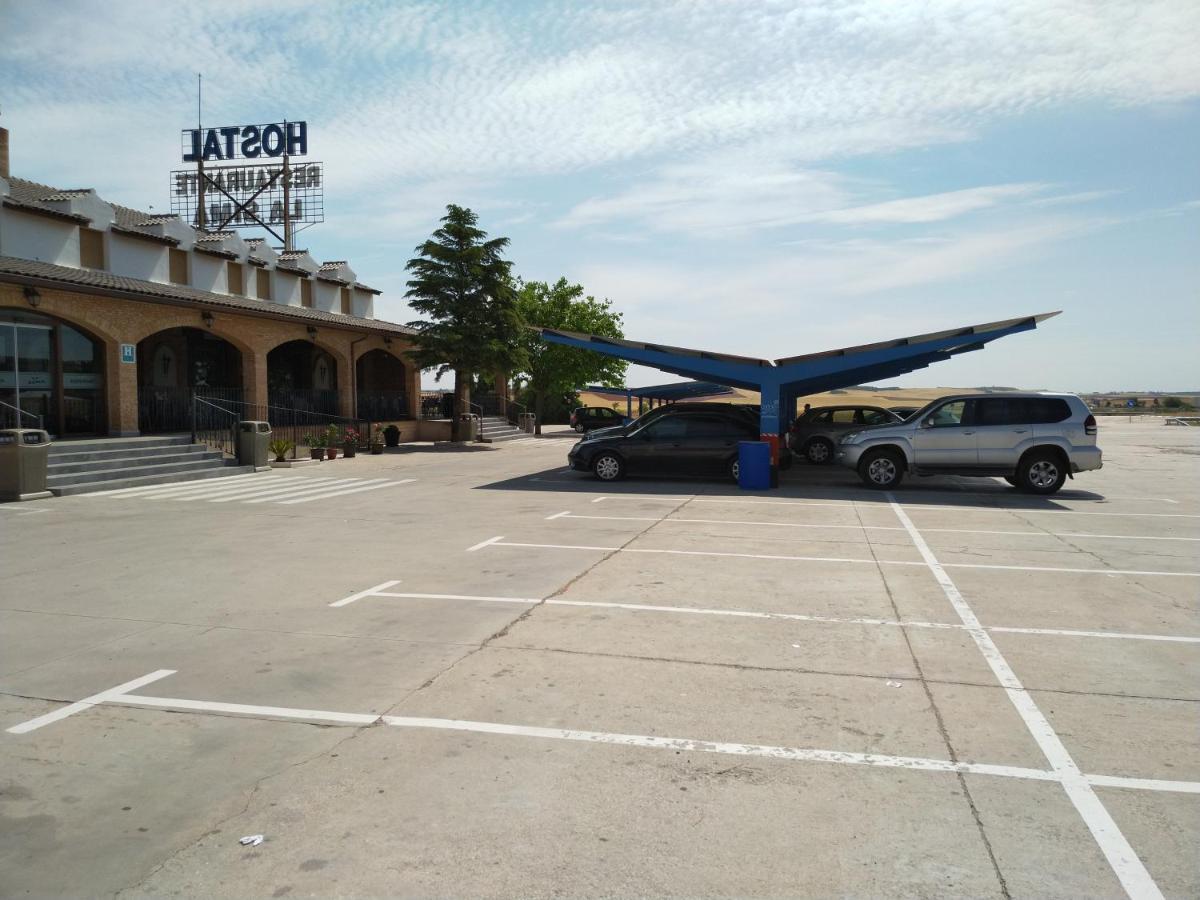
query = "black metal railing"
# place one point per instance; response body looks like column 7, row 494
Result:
column 437, row 405
column 214, row 422
column 380, row 406
column 306, row 399
column 166, row 409
column 15, row 417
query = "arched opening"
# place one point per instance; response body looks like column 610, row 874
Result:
column 300, row 375
column 176, row 363
column 381, row 385
column 51, row 376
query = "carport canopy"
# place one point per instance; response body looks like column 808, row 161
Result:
column 780, row 382
column 685, row 390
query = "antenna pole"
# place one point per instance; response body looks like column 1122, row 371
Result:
column 201, row 218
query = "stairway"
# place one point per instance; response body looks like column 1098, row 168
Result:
column 495, row 429
column 104, row 464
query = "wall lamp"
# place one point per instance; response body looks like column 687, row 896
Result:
column 32, row 295
column 312, row 332
column 207, row 318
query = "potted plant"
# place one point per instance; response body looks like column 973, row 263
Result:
column 316, row 445
column 281, row 447
column 332, row 439
column 391, row 436
column 349, row 442
column 376, row 443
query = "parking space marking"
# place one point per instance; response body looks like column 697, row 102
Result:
column 500, row 542
column 671, row 519
column 345, row 601
column 868, row 504
column 382, row 591
column 120, row 696
column 88, row 702
column 1121, row 857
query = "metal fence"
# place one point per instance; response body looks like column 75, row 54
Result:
column 305, row 399
column 167, row 409
column 381, row 406
column 214, row 422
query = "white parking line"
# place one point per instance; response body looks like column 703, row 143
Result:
column 382, row 591
column 345, row 601
column 826, row 525
column 120, row 696
column 1120, row 855
column 88, row 702
column 500, row 542
column 867, row 504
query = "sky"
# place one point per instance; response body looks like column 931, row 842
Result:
column 760, row 178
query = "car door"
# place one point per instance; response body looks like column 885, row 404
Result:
column 1002, row 425
column 658, row 448
column 945, row 437
column 711, row 441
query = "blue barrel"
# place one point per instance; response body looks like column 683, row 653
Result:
column 754, row 465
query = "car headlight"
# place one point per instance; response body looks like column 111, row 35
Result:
column 850, row 437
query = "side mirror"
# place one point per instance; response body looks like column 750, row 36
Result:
column 927, row 423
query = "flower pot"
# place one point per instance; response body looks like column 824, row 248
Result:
column 331, row 452
column 376, row 449
column 391, row 435
column 348, row 450
column 316, row 452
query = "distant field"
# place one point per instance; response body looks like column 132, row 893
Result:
column 899, row 397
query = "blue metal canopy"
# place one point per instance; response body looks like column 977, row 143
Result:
column 682, row 391
column 779, row 382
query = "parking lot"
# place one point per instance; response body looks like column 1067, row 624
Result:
column 469, row 671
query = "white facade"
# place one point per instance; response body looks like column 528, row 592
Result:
column 32, row 235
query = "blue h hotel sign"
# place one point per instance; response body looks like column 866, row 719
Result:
column 245, row 142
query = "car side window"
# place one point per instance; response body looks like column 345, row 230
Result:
column 606, row 413
column 997, row 411
column 1047, row 410
column 875, row 417
column 820, row 418
column 948, row 415
column 713, row 427
column 667, row 428
column 842, row 417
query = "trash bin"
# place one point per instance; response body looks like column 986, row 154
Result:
column 754, row 465
column 23, row 456
column 252, row 441
column 468, row 427
column 528, row 422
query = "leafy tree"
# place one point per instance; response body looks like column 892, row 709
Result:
column 463, row 285
column 553, row 369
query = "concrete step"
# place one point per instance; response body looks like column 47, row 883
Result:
column 516, row 434
column 125, row 445
column 163, row 457
column 133, row 471
column 148, row 480
column 125, row 453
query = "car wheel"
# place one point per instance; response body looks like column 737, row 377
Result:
column 735, row 469
column 881, row 469
column 580, row 428
column 819, row 452
column 1041, row 472
column 608, row 467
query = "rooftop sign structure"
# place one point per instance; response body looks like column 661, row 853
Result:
column 273, row 194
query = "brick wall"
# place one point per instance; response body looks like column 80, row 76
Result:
column 114, row 322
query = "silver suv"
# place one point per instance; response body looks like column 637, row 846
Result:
column 1034, row 441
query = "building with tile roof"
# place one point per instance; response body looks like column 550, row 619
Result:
column 112, row 317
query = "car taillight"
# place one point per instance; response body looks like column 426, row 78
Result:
column 1089, row 425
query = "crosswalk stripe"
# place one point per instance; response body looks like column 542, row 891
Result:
column 211, row 490
column 287, row 488
column 170, row 485
column 300, row 490
column 353, row 490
